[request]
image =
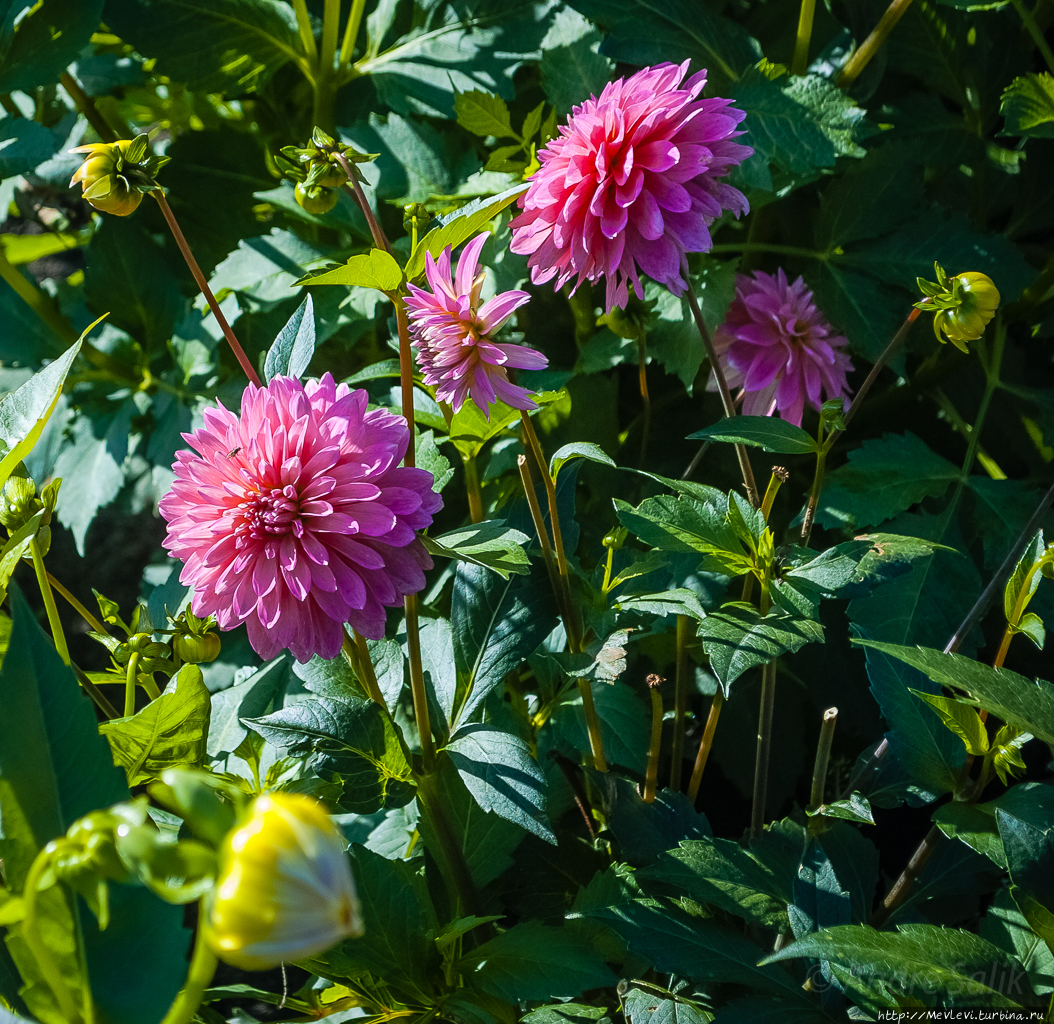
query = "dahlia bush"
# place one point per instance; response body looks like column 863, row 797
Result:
column 492, row 527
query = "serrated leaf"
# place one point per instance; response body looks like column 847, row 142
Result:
column 459, row 227
column 349, row 741
column 1013, row 698
column 1028, row 106
column 854, row 808
column 961, row 718
column 769, row 433
column 535, row 961
column 571, row 68
column 738, row 637
column 490, row 544
column 483, row 113
column 251, row 698
column 578, row 450
column 170, row 732
column 1032, row 626
column 376, row 269
column 292, row 350
column 498, row 770
column 679, row 601
column 883, row 478
column 1022, row 571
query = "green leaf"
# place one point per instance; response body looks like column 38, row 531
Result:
column 645, row 1005
column 432, row 460
column 1028, row 106
column 578, row 450
column 483, row 113
column 499, row 772
column 769, row 433
column 703, row 949
column 854, row 808
column 127, row 276
column 679, row 601
column 91, row 465
column 251, row 698
column 25, row 412
column 861, row 306
column 470, row 429
column 1022, row 571
column 217, row 46
column 976, row 826
column 45, row 41
column 883, row 478
column 926, row 961
column 624, row 723
column 962, row 719
column 684, row 524
column 348, row 741
column 722, row 873
column 497, row 623
column 1029, row 847
column 737, row 638
column 535, row 961
column 645, row 32
column 459, row 227
column 170, row 732
column 376, row 269
column 264, row 269
column 820, row 901
column 1005, row 925
column 1013, row 698
column 490, row 544
column 24, row 144
column 572, row 70
column 54, row 769
column 292, row 350
column 561, row 1013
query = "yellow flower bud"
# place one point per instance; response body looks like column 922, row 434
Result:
column 103, row 184
column 963, row 305
column 285, row 890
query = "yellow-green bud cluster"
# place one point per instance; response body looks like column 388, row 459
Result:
column 318, row 170
column 19, row 504
column 116, row 175
column 963, row 305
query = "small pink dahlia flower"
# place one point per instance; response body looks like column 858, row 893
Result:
column 453, row 334
column 297, row 518
column 631, row 185
column 779, row 348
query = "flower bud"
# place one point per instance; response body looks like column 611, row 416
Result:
column 115, row 176
column 18, row 499
column 963, row 305
column 196, row 650
column 285, row 890
column 315, row 199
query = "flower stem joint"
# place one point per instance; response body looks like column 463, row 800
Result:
column 285, row 890
column 116, row 175
column 963, row 305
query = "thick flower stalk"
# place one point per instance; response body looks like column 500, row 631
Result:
column 630, row 185
column 778, row 347
column 284, row 890
column 454, row 335
column 297, row 518
column 963, row 305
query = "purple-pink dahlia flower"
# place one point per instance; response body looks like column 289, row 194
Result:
column 453, row 334
column 779, row 348
column 631, row 185
column 297, row 518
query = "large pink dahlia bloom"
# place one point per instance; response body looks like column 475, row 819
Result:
column 297, row 518
column 453, row 334
column 631, row 184
column 779, row 348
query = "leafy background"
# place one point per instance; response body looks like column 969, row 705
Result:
column 941, row 150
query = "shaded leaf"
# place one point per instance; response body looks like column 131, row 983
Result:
column 490, row 544
column 769, row 433
column 1028, row 106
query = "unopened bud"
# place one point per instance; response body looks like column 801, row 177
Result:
column 963, row 305
column 285, row 890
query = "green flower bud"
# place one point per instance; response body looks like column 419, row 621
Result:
column 18, row 499
column 314, row 199
column 963, row 305
column 196, row 649
column 115, row 176
column 285, row 890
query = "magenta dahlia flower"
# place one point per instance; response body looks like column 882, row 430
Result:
column 454, row 335
column 631, row 185
column 779, row 348
column 297, row 518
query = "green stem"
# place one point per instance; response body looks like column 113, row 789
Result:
column 651, row 778
column 707, row 742
column 351, row 34
column 596, row 741
column 801, row 44
column 823, row 757
column 357, row 656
column 325, row 88
column 680, row 703
column 642, row 373
column 57, row 635
column 151, row 688
column 726, row 395
column 203, row 965
column 1035, row 32
column 417, row 682
column 475, row 496
column 203, row 286
column 86, row 105
column 456, row 870
column 129, row 684
column 307, row 37
column 873, row 43
column 30, row 933
column 814, row 498
column 764, row 749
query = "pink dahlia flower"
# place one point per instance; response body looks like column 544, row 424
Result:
column 453, row 335
column 297, row 518
column 631, row 185
column 779, row 348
